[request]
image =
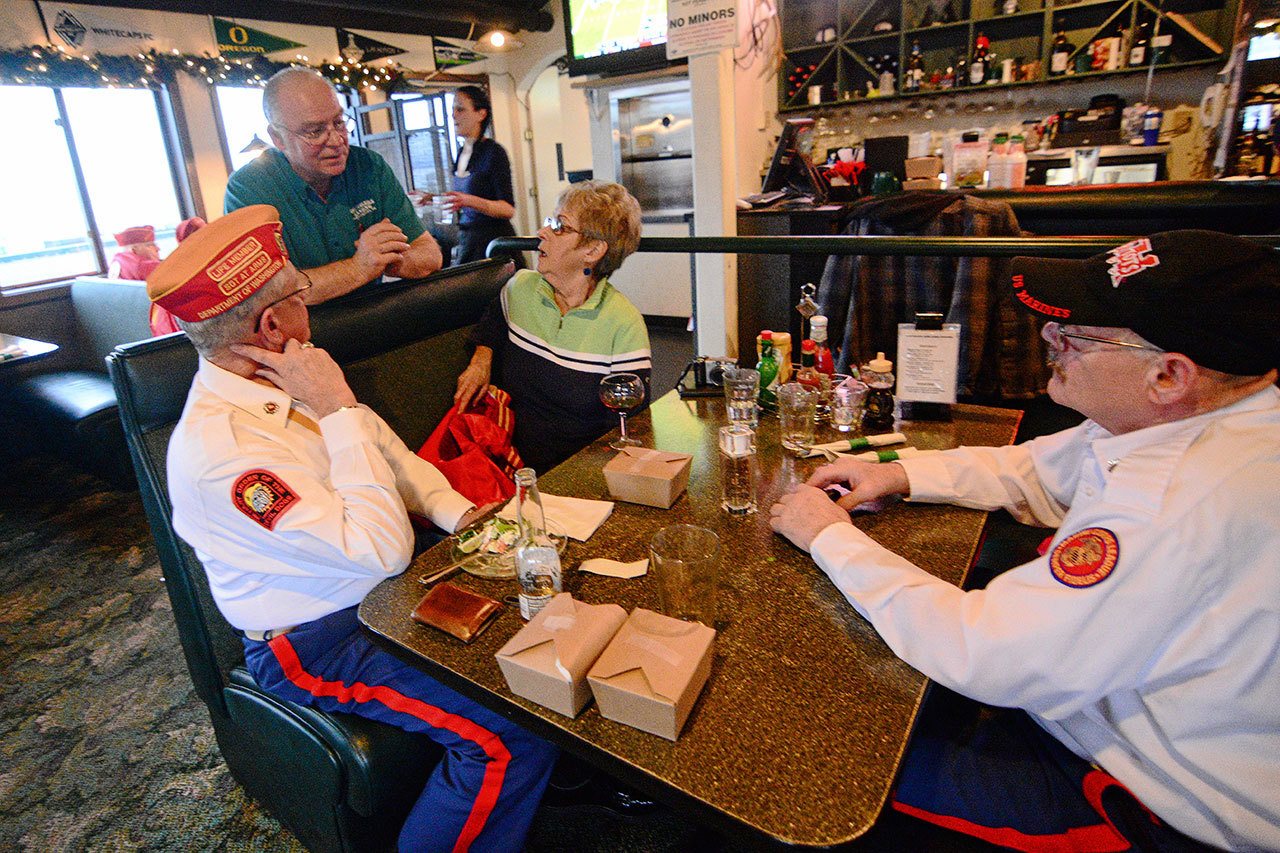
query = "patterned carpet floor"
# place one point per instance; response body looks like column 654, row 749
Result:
column 105, row 745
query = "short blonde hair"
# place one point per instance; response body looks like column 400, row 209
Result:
column 607, row 212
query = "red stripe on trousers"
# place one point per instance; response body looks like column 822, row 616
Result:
column 1099, row 838
column 492, row 745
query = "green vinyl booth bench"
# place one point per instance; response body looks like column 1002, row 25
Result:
column 338, row 782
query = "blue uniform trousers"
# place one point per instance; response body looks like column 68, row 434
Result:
column 996, row 775
column 484, row 792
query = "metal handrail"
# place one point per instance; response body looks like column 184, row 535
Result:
column 987, row 247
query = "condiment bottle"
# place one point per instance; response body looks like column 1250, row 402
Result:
column 822, row 358
column 808, row 375
column 767, row 366
column 537, row 560
column 879, row 403
column 782, row 351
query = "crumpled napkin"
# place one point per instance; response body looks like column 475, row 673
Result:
column 578, row 517
column 614, row 569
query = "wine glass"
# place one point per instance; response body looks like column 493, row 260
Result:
column 622, row 392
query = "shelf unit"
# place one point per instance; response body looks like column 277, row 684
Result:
column 1201, row 30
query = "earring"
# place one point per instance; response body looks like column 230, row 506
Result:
column 586, row 271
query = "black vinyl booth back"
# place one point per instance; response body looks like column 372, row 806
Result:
column 338, row 782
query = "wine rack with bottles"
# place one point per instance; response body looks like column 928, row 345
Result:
column 835, row 52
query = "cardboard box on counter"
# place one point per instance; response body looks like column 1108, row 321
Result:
column 652, row 672
column 922, row 184
column 923, row 167
column 547, row 660
column 645, row 476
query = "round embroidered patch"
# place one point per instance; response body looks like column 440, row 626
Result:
column 262, row 496
column 1085, row 558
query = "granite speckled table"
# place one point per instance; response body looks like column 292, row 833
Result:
column 798, row 734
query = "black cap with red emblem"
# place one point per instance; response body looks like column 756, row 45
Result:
column 1213, row 297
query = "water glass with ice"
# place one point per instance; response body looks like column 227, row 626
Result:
column 741, row 389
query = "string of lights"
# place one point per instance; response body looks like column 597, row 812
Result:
column 51, row 65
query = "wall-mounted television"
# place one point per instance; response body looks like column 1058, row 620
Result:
column 615, row 36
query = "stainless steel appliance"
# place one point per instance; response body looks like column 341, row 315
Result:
column 655, row 144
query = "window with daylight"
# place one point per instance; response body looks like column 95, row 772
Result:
column 244, row 126
column 93, row 163
column 427, row 137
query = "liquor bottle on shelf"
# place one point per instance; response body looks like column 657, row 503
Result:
column 888, row 75
column 1010, row 7
column 915, row 69
column 1061, row 56
column 978, row 64
column 1141, row 42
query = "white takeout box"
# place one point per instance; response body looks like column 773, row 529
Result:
column 652, row 672
column 642, row 475
column 547, row 660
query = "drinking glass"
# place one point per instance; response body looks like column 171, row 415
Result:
column 846, row 405
column 622, row 392
column 686, row 564
column 797, row 408
column 741, row 388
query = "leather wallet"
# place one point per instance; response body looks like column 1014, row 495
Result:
column 457, row 611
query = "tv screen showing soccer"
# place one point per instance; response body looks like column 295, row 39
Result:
column 603, row 27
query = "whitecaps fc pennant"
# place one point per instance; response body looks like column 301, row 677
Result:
column 1133, row 257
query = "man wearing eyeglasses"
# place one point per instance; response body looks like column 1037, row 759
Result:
column 347, row 221
column 1142, row 646
column 295, row 498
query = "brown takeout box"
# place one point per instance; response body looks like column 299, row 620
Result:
column 652, row 672
column 645, row 476
column 923, row 167
column 547, row 660
column 922, row 184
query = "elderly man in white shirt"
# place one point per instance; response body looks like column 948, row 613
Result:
column 1144, row 643
column 296, row 499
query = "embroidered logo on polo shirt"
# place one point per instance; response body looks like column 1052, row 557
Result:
column 1085, row 558
column 263, row 497
column 362, row 209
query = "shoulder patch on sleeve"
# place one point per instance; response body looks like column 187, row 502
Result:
column 263, row 497
column 1085, row 558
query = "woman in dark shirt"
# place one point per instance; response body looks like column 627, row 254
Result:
column 482, row 194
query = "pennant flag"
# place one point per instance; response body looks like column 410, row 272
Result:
column 357, row 48
column 237, row 40
column 448, row 55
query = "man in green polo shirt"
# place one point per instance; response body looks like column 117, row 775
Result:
column 346, row 219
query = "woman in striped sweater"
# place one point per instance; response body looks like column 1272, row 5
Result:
column 553, row 334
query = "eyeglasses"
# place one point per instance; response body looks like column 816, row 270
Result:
column 301, row 291
column 1061, row 340
column 319, row 134
column 557, row 227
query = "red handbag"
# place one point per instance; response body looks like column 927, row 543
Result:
column 473, row 449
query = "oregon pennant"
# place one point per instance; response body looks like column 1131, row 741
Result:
column 237, row 40
column 357, row 48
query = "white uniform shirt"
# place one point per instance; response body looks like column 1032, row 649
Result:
column 1163, row 665
column 291, row 525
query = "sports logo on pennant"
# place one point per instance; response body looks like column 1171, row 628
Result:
column 1133, row 257
column 263, row 497
column 1085, row 558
